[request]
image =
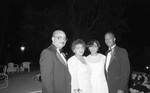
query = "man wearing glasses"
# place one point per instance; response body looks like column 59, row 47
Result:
column 54, row 71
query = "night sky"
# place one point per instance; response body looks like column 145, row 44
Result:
column 136, row 40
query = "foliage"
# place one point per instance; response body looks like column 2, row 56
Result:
column 140, row 83
column 86, row 19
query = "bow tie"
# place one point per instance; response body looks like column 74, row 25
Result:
column 61, row 50
column 110, row 50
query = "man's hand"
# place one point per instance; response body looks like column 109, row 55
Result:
column 120, row 91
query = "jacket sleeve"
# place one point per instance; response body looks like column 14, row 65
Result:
column 73, row 69
column 47, row 69
column 125, row 70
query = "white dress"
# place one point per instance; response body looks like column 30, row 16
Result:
column 98, row 80
column 80, row 75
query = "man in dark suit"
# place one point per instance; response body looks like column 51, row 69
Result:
column 53, row 67
column 117, row 66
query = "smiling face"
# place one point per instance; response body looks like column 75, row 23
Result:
column 79, row 49
column 110, row 39
column 59, row 39
column 93, row 49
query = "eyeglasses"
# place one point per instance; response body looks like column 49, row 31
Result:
column 61, row 38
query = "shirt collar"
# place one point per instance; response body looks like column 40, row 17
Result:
column 58, row 50
column 112, row 47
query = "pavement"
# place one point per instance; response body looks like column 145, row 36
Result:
column 22, row 83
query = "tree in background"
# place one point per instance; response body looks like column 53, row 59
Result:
column 84, row 19
column 90, row 19
column 6, row 12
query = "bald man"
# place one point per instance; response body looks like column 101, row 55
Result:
column 53, row 67
column 117, row 66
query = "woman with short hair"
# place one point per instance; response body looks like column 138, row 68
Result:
column 96, row 62
column 78, row 68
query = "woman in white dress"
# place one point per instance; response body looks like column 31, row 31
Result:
column 79, row 70
column 96, row 61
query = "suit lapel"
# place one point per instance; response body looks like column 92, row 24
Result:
column 58, row 55
column 60, row 58
column 112, row 58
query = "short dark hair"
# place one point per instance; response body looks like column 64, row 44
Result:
column 76, row 42
column 91, row 43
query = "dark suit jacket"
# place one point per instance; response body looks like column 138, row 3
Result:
column 54, row 72
column 118, row 71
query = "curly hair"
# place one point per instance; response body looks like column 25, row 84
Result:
column 76, row 42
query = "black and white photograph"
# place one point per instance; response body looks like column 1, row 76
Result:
column 75, row 46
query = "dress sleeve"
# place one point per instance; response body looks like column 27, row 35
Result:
column 104, row 58
column 73, row 69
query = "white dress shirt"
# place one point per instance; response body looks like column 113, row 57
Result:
column 109, row 55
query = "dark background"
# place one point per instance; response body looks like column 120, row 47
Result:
column 31, row 22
